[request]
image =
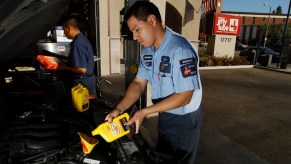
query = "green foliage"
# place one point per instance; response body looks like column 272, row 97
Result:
column 202, row 52
column 208, row 60
column 279, row 10
column 275, row 33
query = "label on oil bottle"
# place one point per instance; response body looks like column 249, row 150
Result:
column 74, row 91
column 123, row 124
column 85, row 103
column 118, row 127
column 114, row 130
column 82, row 99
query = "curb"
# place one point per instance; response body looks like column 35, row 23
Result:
column 273, row 69
column 287, row 71
column 226, row 67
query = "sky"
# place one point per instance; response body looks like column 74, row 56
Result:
column 254, row 5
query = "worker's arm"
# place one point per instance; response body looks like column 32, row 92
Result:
column 77, row 70
column 132, row 94
column 174, row 101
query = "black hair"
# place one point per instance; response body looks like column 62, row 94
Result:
column 72, row 22
column 141, row 10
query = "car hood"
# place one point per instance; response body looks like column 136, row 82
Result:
column 24, row 22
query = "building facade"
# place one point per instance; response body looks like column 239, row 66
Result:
column 182, row 16
column 254, row 25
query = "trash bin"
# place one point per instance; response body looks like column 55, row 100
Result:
column 265, row 59
column 283, row 64
column 251, row 57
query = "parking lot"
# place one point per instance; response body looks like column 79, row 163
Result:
column 246, row 116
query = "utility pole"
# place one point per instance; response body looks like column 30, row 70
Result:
column 284, row 34
column 266, row 35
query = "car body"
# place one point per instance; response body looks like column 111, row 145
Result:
column 240, row 46
column 22, row 24
column 37, row 121
column 202, row 43
column 266, row 50
column 263, row 51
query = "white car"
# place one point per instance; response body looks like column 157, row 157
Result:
column 202, row 43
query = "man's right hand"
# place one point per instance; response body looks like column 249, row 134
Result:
column 114, row 113
column 61, row 66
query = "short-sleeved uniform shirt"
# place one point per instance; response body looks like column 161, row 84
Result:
column 81, row 55
column 172, row 68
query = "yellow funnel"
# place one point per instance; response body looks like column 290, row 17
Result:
column 88, row 143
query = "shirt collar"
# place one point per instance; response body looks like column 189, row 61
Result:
column 165, row 40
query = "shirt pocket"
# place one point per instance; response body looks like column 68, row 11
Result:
column 167, row 85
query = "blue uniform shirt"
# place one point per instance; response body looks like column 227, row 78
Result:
column 172, row 68
column 81, row 54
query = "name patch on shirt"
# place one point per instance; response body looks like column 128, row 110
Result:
column 165, row 59
column 148, row 57
column 148, row 60
column 165, row 67
column 188, row 67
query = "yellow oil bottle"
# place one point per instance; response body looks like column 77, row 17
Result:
column 74, row 91
column 82, row 99
column 114, row 130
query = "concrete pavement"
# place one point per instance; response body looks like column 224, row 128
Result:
column 246, row 115
column 273, row 67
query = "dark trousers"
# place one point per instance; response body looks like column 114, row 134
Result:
column 70, row 80
column 179, row 135
column 89, row 83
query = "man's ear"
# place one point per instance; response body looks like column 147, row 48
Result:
column 69, row 28
column 152, row 19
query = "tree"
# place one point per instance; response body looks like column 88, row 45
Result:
column 279, row 10
column 275, row 33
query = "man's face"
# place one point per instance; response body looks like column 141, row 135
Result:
column 67, row 31
column 143, row 32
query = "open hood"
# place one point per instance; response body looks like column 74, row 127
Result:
column 24, row 22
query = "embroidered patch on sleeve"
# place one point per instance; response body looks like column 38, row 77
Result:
column 188, row 70
column 187, row 61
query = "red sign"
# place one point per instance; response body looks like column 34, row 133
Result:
column 202, row 36
column 226, row 24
